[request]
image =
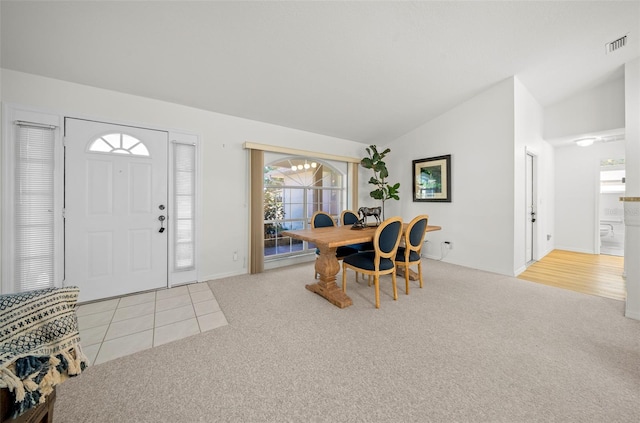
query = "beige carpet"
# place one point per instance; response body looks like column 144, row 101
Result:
column 470, row 346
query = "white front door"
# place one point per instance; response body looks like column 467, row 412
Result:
column 115, row 194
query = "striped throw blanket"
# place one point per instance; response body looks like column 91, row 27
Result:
column 39, row 344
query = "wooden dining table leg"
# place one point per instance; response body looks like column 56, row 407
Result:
column 327, row 266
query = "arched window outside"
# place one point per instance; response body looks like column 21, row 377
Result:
column 294, row 189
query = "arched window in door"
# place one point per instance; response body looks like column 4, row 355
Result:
column 119, row 144
column 294, row 189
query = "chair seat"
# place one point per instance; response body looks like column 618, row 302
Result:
column 365, row 246
column 342, row 251
column 365, row 261
column 413, row 255
column 345, row 251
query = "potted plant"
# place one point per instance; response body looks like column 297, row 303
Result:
column 384, row 190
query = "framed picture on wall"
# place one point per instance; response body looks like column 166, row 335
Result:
column 432, row 179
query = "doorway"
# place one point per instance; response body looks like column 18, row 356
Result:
column 530, row 202
column 611, row 211
column 116, row 200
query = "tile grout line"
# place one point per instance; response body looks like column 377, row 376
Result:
column 195, row 313
column 155, row 308
column 106, row 331
column 154, row 326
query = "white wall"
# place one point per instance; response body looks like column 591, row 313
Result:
column 225, row 176
column 479, row 136
column 577, row 171
column 632, row 144
column 598, row 109
column 528, row 137
column 546, row 201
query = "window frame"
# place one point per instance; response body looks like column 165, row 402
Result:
column 343, row 204
column 11, row 114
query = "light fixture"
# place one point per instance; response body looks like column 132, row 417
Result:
column 305, row 166
column 584, row 142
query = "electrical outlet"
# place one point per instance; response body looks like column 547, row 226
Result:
column 449, row 244
column 235, row 256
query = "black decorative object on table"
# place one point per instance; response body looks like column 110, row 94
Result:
column 360, row 224
column 363, row 212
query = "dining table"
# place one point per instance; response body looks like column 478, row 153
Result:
column 327, row 240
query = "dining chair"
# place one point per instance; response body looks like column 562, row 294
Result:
column 348, row 217
column 409, row 254
column 380, row 261
column 321, row 219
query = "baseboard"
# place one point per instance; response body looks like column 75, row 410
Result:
column 575, row 250
column 289, row 261
column 632, row 314
column 520, row 270
column 546, row 252
column 431, row 256
column 222, row 275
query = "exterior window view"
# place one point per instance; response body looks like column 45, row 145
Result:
column 294, row 189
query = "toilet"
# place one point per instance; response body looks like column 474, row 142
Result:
column 605, row 230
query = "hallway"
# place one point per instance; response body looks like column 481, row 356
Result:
column 592, row 274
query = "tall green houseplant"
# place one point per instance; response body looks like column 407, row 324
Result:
column 384, row 190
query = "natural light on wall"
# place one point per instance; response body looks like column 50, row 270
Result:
column 612, row 176
column 612, row 181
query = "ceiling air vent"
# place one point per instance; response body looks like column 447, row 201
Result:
column 616, row 44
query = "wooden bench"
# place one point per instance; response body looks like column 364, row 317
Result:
column 43, row 413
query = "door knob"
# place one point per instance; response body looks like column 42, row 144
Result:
column 161, row 218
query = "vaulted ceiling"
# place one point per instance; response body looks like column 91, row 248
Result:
column 364, row 71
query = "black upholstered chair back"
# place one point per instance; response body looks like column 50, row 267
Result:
column 322, row 219
column 348, row 217
column 416, row 235
column 389, row 235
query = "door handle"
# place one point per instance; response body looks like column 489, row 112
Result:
column 161, row 218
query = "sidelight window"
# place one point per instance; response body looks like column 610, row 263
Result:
column 34, row 254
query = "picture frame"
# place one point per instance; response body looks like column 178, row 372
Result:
column 432, row 179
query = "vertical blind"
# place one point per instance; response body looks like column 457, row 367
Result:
column 184, row 165
column 34, row 204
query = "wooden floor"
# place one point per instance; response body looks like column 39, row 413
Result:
column 587, row 273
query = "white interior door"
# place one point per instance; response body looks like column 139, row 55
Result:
column 530, row 210
column 115, row 194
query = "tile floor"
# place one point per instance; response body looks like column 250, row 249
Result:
column 121, row 326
